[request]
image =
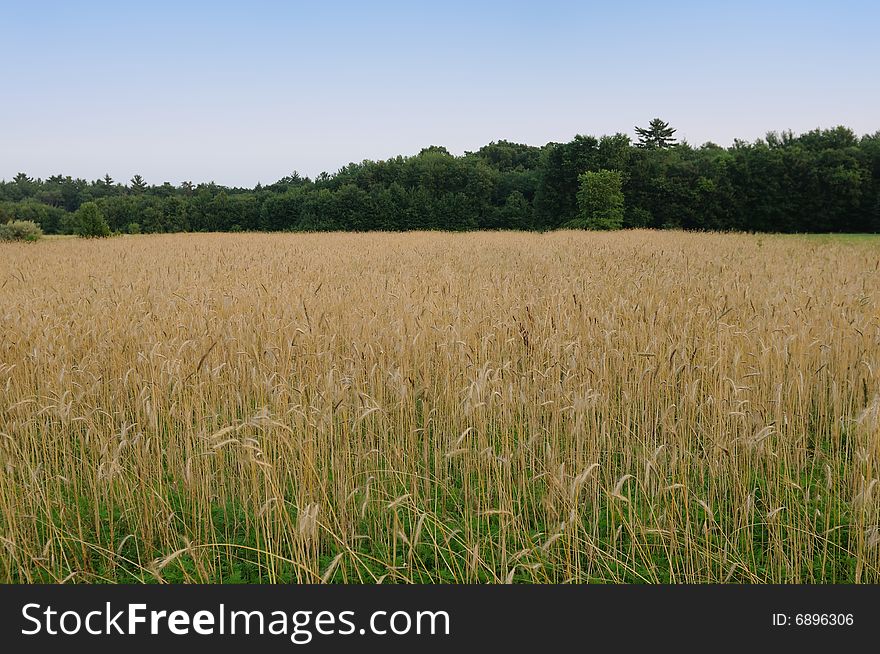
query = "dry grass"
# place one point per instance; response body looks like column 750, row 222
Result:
column 641, row 406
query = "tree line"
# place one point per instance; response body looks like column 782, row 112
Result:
column 825, row 180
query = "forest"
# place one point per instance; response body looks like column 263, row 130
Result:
column 825, row 180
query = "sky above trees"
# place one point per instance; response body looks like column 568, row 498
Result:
column 240, row 93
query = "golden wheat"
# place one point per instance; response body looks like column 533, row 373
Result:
column 490, row 407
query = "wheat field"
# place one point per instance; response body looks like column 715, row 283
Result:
column 648, row 407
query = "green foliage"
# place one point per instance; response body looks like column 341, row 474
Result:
column 600, row 200
column 48, row 218
column 658, row 134
column 138, row 185
column 820, row 181
column 516, row 212
column 90, row 223
column 20, row 230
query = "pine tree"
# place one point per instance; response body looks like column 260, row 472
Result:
column 658, row 134
column 138, row 185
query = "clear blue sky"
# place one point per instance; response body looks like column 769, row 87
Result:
column 249, row 91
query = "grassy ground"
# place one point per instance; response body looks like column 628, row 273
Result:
column 488, row 407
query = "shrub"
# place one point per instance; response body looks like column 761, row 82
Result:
column 134, row 228
column 20, row 230
column 89, row 222
column 47, row 218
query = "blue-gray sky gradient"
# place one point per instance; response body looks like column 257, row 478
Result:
column 244, row 92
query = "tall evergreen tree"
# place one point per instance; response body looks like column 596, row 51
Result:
column 658, row 134
column 138, row 185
